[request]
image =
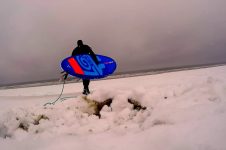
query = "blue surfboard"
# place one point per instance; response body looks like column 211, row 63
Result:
column 83, row 66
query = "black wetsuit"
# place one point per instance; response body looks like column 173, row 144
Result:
column 85, row 49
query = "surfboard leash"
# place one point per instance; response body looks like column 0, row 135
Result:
column 53, row 103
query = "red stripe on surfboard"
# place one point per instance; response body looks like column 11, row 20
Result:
column 77, row 69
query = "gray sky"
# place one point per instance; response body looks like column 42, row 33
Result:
column 139, row 34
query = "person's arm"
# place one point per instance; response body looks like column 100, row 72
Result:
column 94, row 57
column 74, row 52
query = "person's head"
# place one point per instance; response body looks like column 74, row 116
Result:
column 80, row 43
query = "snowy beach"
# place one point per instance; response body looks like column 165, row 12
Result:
column 186, row 110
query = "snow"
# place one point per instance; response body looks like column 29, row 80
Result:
column 186, row 110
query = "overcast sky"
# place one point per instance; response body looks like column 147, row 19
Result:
column 139, row 34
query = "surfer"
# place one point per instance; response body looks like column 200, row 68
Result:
column 83, row 49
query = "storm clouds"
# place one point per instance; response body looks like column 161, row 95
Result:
column 139, row 34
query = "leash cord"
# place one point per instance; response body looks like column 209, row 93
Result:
column 53, row 103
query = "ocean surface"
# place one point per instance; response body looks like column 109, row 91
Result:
column 113, row 76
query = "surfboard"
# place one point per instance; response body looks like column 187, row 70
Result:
column 83, row 66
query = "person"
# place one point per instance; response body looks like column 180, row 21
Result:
column 80, row 50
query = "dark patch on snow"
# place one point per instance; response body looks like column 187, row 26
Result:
column 136, row 104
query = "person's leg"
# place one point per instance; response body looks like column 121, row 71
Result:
column 86, row 86
column 88, row 81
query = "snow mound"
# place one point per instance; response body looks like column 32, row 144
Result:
column 74, row 117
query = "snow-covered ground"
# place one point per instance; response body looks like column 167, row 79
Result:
column 186, row 110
